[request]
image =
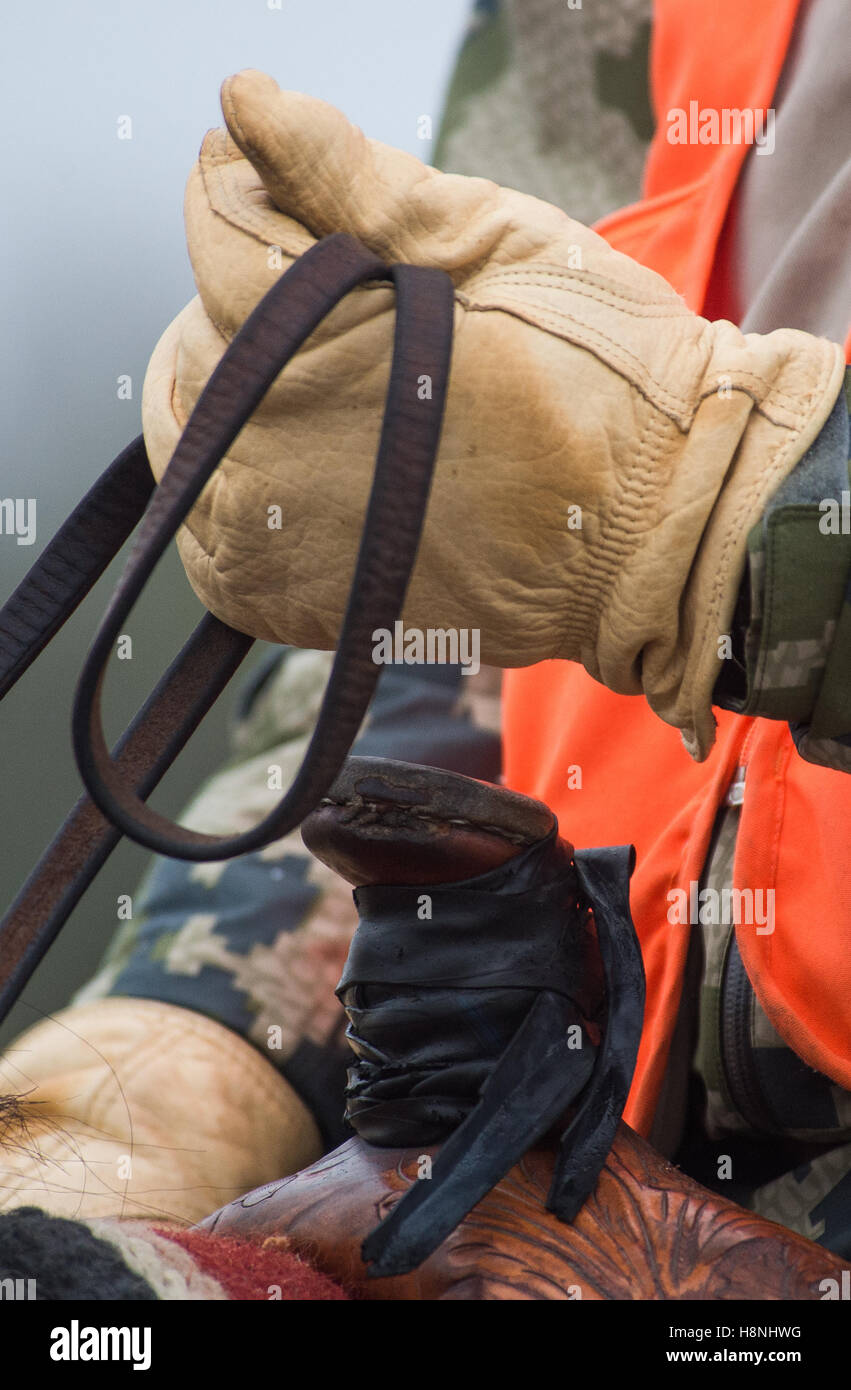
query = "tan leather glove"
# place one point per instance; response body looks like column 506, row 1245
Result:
column 583, row 390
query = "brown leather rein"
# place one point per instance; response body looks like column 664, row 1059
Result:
column 118, row 783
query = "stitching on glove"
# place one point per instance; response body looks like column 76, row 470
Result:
column 669, row 308
column 620, row 358
column 226, row 204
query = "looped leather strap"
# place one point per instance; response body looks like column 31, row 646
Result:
column 85, row 840
column 73, row 561
column 395, row 514
column 79, row 553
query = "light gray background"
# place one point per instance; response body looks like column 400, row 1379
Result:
column 93, row 268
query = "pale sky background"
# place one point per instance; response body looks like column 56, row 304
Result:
column 93, row 267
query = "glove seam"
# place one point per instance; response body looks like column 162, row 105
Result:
column 611, row 293
column 615, row 356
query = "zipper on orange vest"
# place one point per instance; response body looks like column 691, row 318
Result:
column 738, row 1063
column 736, row 997
column 735, row 793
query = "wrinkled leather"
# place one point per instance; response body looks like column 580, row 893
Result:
column 199, row 1113
column 579, row 378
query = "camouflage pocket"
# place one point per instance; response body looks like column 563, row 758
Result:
column 755, row 1084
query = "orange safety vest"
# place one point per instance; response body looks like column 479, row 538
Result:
column 638, row 784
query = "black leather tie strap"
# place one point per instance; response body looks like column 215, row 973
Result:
column 73, row 561
column 407, row 451
column 481, row 960
column 464, row 1025
column 604, row 876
